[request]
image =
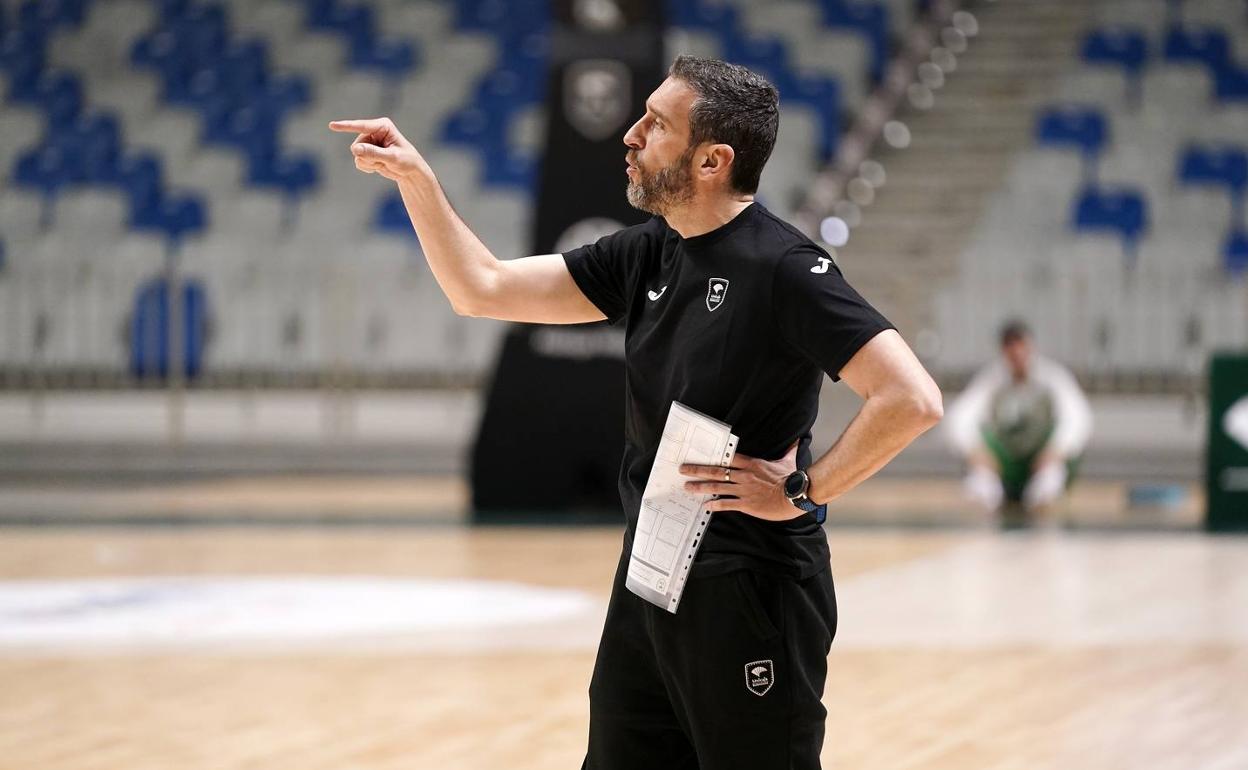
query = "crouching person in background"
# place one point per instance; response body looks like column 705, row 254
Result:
column 1021, row 425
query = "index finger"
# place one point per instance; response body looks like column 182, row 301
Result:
column 357, row 126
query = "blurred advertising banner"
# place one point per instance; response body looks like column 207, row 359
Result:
column 1226, row 473
column 551, row 437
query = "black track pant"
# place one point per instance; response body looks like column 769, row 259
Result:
column 733, row 680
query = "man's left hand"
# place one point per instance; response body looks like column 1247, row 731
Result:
column 753, row 486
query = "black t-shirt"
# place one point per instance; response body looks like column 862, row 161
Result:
column 740, row 323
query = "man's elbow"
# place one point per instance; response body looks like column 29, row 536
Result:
column 466, row 311
column 926, row 406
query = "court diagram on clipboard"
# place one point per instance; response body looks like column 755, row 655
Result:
column 671, row 521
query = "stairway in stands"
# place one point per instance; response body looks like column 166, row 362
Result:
column 911, row 236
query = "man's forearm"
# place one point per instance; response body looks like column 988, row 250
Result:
column 885, row 425
column 461, row 263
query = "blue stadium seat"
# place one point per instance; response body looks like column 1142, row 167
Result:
column 58, row 94
column 1220, row 165
column 1123, row 211
column 173, row 217
column 183, row 215
column 507, row 89
column 44, row 169
column 1235, row 252
column 288, row 92
column 720, row 18
column 391, row 216
column 822, row 94
column 1197, row 45
column 87, row 147
column 1075, row 126
column 99, row 145
column 294, row 175
column 496, row 15
column 1216, row 164
column 23, row 63
column 169, row 10
column 150, row 329
column 1085, row 128
column 50, row 14
column 1121, row 46
column 1231, row 83
column 357, row 24
column 469, row 127
column 766, row 55
column 141, row 178
column 504, row 167
column 393, row 58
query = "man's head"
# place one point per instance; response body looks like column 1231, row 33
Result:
column 1016, row 347
column 708, row 130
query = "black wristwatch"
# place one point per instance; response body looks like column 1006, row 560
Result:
column 796, row 487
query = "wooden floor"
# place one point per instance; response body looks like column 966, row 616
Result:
column 958, row 649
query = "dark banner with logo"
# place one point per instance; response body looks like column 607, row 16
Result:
column 606, row 58
column 551, row 437
column 1226, row 469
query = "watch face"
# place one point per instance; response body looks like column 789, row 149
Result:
column 795, row 484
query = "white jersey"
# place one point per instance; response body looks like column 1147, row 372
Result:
column 984, row 400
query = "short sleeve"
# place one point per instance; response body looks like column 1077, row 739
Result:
column 605, row 271
column 818, row 313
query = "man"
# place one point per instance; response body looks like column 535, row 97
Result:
column 1021, row 424
column 736, row 314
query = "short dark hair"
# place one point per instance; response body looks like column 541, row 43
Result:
column 736, row 107
column 1014, row 330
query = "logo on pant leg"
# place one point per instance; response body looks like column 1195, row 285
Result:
column 759, row 676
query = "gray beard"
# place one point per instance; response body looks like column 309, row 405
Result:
column 658, row 194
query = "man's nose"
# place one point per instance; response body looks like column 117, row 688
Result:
column 632, row 137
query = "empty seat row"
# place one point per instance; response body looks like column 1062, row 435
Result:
column 1123, row 209
column 1209, row 47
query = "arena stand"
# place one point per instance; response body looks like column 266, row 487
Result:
column 1092, row 157
column 152, row 138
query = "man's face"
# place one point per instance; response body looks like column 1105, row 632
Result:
column 1017, row 354
column 659, row 155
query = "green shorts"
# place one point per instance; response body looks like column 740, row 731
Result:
column 1016, row 469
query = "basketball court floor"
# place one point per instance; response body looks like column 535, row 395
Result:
column 360, row 624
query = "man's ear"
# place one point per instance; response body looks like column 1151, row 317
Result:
column 717, row 161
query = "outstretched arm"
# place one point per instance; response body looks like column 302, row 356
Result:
column 535, row 289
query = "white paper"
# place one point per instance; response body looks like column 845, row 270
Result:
column 672, row 521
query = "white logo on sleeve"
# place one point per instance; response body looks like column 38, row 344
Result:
column 716, row 290
column 822, row 267
column 654, row 295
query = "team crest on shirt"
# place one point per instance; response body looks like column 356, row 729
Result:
column 716, row 290
column 760, row 676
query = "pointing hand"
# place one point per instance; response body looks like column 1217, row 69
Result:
column 379, row 148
